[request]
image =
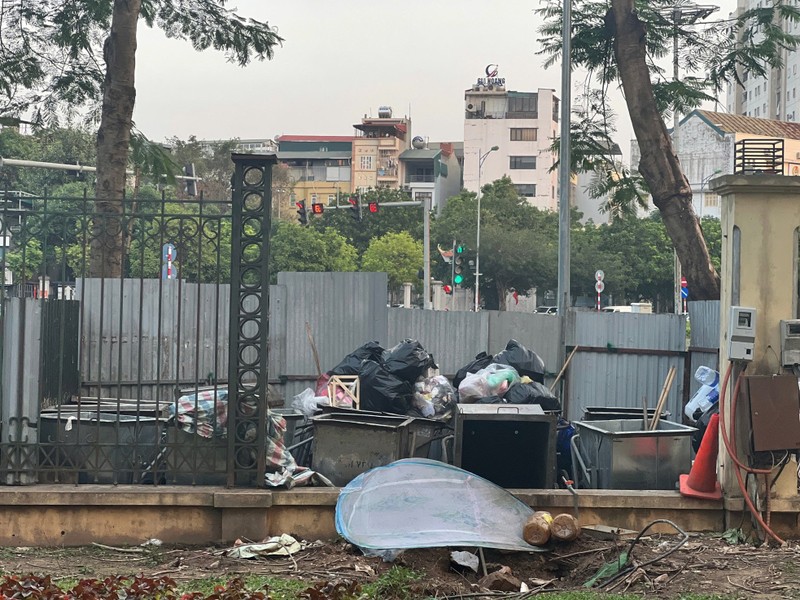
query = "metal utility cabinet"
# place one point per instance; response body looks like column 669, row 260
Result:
column 512, row 445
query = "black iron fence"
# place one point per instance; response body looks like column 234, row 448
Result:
column 134, row 336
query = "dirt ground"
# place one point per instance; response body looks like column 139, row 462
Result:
column 704, row 565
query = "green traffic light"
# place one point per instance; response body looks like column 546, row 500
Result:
column 458, row 279
column 459, row 249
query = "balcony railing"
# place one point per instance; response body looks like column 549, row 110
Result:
column 419, row 179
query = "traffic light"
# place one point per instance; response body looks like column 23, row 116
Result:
column 355, row 207
column 458, row 268
column 373, row 207
column 447, row 289
column 317, row 208
column 302, row 215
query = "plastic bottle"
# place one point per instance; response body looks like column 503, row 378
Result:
column 707, row 376
column 702, row 400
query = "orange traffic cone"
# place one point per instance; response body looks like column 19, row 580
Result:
column 702, row 482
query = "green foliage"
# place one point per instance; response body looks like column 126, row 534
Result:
column 713, row 53
column 395, row 584
column 519, row 244
column 58, row 63
column 297, row 248
column 25, row 261
column 389, row 219
column 397, row 254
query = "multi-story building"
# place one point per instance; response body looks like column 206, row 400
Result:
column 706, row 147
column 431, row 172
column 581, row 195
column 377, row 147
column 522, row 125
column 251, row 146
column 775, row 96
column 320, row 166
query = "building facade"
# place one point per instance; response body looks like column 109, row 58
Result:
column 775, row 96
column 706, row 146
column 320, row 166
column 522, row 125
column 377, row 147
column 431, row 172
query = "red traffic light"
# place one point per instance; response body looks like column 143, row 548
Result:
column 447, row 289
column 301, row 204
column 317, row 208
column 353, row 200
column 373, row 207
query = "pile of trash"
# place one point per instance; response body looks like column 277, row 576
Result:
column 404, row 380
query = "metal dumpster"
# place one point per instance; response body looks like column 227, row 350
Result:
column 620, row 455
column 348, row 444
column 98, row 447
column 512, row 445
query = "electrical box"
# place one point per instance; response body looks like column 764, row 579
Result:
column 741, row 333
column 790, row 342
column 774, row 411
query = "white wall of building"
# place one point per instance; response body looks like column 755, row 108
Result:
column 482, row 134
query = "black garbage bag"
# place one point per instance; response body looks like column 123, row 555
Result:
column 381, row 391
column 481, row 361
column 352, row 362
column 532, row 393
column 702, row 425
column 525, row 361
column 490, row 400
column 407, row 360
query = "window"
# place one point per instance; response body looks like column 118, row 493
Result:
column 424, row 197
column 331, row 199
column 313, row 198
column 528, row 190
column 522, row 106
column 710, row 200
column 366, row 163
column 524, row 134
column 522, row 162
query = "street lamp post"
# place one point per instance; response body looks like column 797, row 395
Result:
column 481, row 159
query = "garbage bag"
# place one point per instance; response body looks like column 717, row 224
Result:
column 481, row 361
column 352, row 362
column 407, row 360
column 434, row 397
column 702, row 426
column 490, row 400
column 532, row 393
column 494, row 380
column 381, row 391
column 525, row 361
column 307, row 403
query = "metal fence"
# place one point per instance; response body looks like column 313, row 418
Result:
column 180, row 319
column 172, row 300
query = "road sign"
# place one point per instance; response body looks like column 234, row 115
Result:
column 684, row 292
column 684, row 283
column 168, row 252
column 169, row 272
column 599, row 286
column 599, row 275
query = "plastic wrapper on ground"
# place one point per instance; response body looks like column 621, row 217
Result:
column 421, row 503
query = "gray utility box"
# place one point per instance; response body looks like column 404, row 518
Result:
column 98, row 447
column 348, row 444
column 620, row 455
column 511, row 445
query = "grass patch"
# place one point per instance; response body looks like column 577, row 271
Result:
column 395, row 584
column 279, row 589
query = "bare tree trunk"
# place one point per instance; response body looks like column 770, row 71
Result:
column 659, row 164
column 501, row 295
column 113, row 139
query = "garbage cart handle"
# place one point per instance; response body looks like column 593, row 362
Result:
column 515, row 408
column 577, row 459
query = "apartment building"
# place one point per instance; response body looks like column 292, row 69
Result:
column 522, row 125
column 377, row 147
column 320, row 166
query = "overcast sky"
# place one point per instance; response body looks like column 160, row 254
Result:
column 342, row 60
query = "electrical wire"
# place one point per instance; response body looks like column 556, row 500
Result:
column 732, row 453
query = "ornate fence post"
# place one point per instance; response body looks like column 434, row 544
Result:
column 249, row 318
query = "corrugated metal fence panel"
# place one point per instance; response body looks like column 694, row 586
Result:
column 26, row 366
column 344, row 311
column 617, row 379
column 704, row 322
column 539, row 333
column 142, row 338
column 453, row 337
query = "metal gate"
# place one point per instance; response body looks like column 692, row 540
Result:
column 134, row 336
